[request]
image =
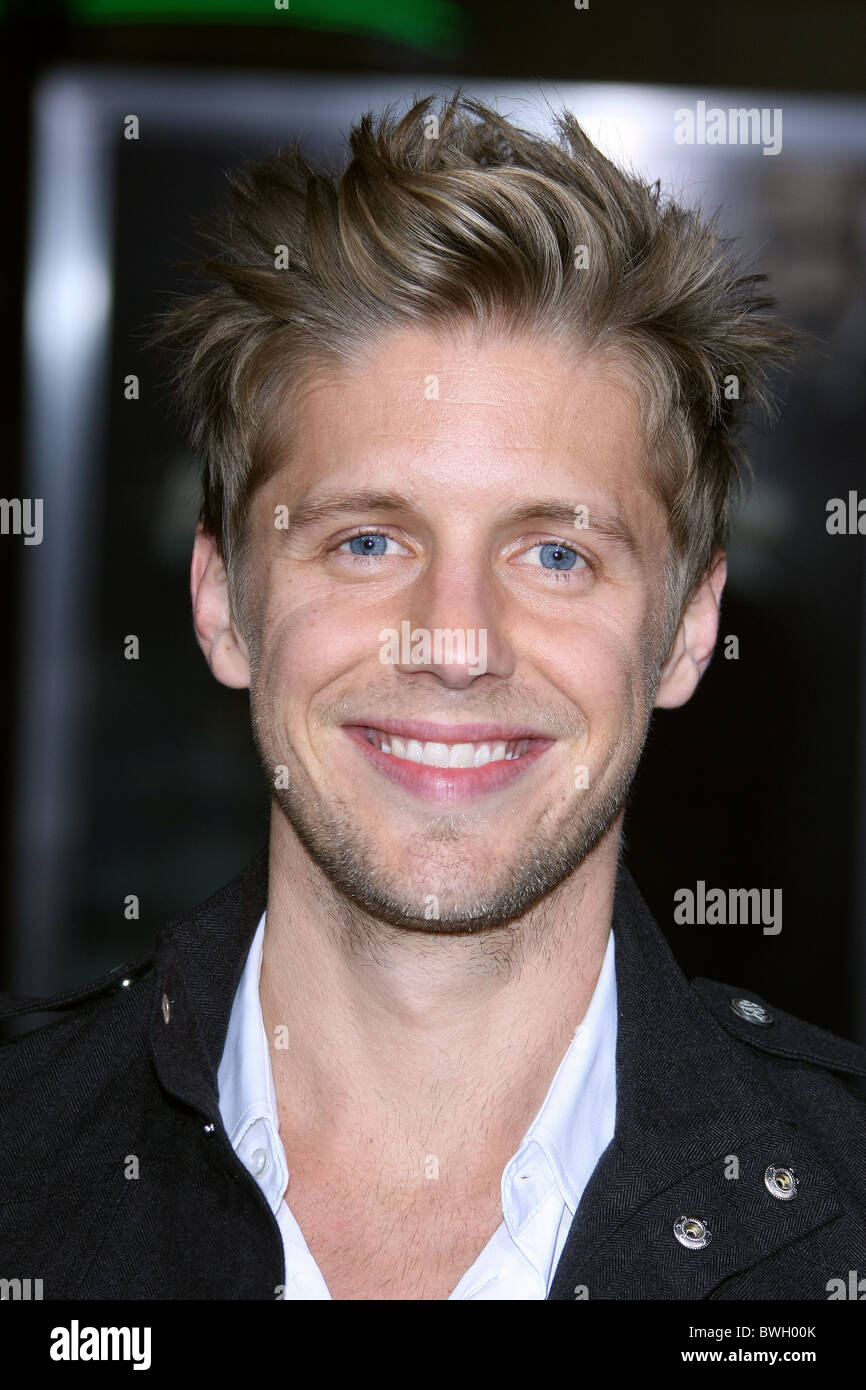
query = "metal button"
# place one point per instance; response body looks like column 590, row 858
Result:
column 166, row 1008
column 209, row 1129
column 125, row 983
column 258, row 1161
column 781, row 1182
column 693, row 1233
column 751, row 1012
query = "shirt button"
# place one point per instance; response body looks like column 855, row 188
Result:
column 166, row 1008
column 258, row 1161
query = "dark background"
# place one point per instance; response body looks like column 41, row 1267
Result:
column 758, row 782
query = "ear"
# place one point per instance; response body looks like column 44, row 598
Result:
column 695, row 640
column 218, row 636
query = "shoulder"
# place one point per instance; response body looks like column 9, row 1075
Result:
column 93, row 1030
column 820, row 1077
column 766, row 1028
column 73, row 1093
column 102, row 1022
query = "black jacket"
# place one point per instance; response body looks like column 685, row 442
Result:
column 702, row 1092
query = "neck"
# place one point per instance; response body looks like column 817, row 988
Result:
column 428, row 1039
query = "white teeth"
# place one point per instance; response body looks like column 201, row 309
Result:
column 462, row 755
column 445, row 754
column 436, row 754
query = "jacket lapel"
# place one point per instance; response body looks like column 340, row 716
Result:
column 691, row 1112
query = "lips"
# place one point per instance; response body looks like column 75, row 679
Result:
column 448, row 762
column 437, row 753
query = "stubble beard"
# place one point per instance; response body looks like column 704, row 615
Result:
column 446, row 852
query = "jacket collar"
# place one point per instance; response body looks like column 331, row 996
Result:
column 198, row 962
column 697, row 1127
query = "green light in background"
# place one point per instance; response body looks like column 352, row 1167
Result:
column 428, row 24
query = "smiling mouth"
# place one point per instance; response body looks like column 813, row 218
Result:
column 431, row 753
column 456, row 764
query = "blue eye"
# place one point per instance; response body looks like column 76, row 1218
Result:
column 558, row 557
column 368, row 544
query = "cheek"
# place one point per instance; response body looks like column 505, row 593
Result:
column 300, row 611
column 305, row 650
column 598, row 666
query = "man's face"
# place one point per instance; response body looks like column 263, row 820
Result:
column 527, row 533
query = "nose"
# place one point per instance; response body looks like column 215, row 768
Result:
column 455, row 631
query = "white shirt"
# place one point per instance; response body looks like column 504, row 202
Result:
column 541, row 1185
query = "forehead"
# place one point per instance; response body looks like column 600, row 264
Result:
column 474, row 421
column 527, row 394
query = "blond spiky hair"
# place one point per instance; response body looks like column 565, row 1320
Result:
column 451, row 216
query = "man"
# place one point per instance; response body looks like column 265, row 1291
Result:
column 468, row 456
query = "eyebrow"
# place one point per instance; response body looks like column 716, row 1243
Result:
column 602, row 521
column 609, row 523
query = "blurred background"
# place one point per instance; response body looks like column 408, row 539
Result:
column 139, row 777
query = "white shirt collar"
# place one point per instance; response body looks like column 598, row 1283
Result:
column 247, row 1099
column 583, row 1080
